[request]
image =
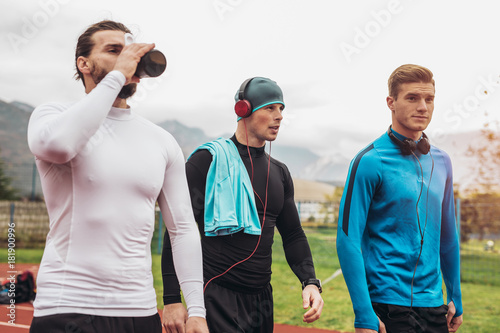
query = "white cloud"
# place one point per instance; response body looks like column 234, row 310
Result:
column 211, row 51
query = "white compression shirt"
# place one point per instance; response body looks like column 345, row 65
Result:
column 102, row 170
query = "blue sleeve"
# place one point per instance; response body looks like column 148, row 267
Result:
column 450, row 247
column 362, row 181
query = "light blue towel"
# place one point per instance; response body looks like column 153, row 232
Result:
column 229, row 199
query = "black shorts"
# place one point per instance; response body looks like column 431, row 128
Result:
column 82, row 323
column 399, row 319
column 230, row 311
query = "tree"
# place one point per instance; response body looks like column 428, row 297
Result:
column 481, row 208
column 6, row 190
column 480, row 214
column 486, row 150
column 330, row 207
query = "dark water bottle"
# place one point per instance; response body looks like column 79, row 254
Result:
column 152, row 64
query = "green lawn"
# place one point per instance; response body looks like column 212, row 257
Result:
column 23, row 256
column 481, row 300
column 478, row 265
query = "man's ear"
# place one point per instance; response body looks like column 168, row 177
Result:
column 83, row 65
column 390, row 102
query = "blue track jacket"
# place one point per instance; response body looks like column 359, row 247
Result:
column 379, row 238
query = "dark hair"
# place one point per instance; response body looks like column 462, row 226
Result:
column 408, row 74
column 85, row 42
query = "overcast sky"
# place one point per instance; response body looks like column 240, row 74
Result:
column 331, row 58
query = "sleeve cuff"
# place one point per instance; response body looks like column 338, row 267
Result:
column 197, row 312
column 118, row 76
column 171, row 299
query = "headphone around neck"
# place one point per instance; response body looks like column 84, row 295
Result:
column 243, row 107
column 408, row 146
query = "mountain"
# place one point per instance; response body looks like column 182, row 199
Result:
column 189, row 138
column 22, row 106
column 295, row 158
column 302, row 162
column 14, row 149
column 330, row 169
column 333, row 168
column 13, row 125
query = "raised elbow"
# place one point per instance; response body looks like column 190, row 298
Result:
column 51, row 150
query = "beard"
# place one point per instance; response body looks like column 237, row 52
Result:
column 127, row 91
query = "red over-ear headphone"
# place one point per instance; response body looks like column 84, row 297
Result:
column 243, row 107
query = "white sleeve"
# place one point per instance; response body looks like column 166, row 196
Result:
column 175, row 205
column 56, row 134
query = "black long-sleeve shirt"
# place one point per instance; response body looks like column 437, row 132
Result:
column 221, row 252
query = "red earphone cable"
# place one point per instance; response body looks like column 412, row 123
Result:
column 263, row 204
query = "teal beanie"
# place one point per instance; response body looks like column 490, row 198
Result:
column 261, row 91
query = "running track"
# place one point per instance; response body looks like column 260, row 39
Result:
column 24, row 311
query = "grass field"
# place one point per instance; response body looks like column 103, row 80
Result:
column 478, row 265
column 481, row 300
